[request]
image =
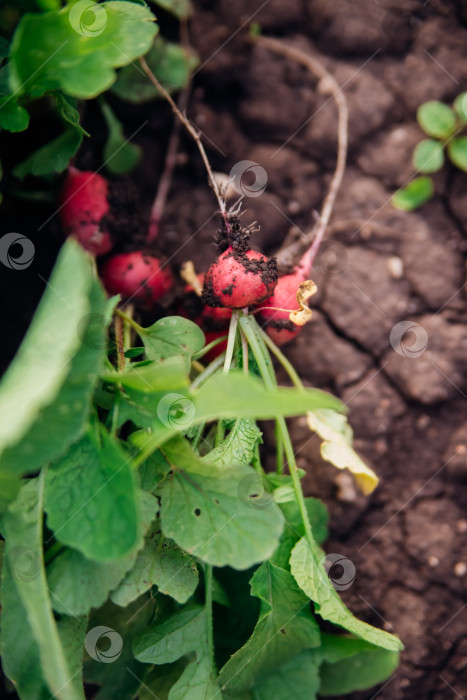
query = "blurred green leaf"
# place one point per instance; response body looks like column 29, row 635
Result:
column 416, row 193
column 436, row 119
column 13, row 116
column 457, row 151
column 179, row 8
column 428, row 156
column 120, row 155
column 460, row 107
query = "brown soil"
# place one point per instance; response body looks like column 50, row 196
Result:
column 378, row 268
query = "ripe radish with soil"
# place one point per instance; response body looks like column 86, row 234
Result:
column 85, row 208
column 137, row 277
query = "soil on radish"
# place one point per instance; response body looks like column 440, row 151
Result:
column 408, row 541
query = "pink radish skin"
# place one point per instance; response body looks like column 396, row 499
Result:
column 84, row 205
column 237, row 280
column 136, row 277
column 278, row 325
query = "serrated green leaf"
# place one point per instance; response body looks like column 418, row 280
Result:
column 23, row 529
column 13, row 116
column 78, row 584
column 160, row 563
column 351, row 664
column 416, row 193
column 457, row 151
column 436, row 119
column 197, row 682
column 77, row 48
column 179, row 8
column 54, row 157
column 91, row 499
column 294, row 529
column 173, row 336
column 204, row 512
column 428, row 156
column 336, row 447
column 120, row 155
column 460, row 107
column 51, row 379
column 238, row 447
column 296, row 679
column 285, row 627
column 171, row 64
column 308, row 571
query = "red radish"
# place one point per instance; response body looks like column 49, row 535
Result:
column 210, row 318
column 275, row 310
column 84, row 200
column 136, row 277
column 239, row 279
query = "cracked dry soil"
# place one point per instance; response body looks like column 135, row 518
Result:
column 378, row 268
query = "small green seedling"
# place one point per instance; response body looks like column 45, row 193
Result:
column 446, row 126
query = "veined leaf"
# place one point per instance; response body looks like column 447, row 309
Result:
column 91, row 499
column 77, row 48
column 306, row 567
column 296, row 679
column 160, row 563
column 171, row 337
column 204, row 512
column 23, row 528
column 337, row 446
column 285, row 627
column 294, row 529
column 52, row 377
column 239, row 445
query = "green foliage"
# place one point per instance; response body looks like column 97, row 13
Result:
column 171, row 63
column 120, row 155
column 146, row 475
column 443, row 124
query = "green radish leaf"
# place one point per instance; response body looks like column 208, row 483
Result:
column 168, row 641
column 53, row 157
column 54, row 386
column 67, row 109
column 23, row 531
column 9, row 487
column 179, row 8
column 336, row 447
column 308, row 570
column 428, row 156
column 303, row 668
column 416, row 193
column 285, row 627
column 120, row 155
column 121, row 679
column 197, row 681
column 88, row 44
column 159, row 680
column 13, row 116
column 460, row 107
column 160, row 563
column 437, row 119
column 171, row 64
column 457, row 151
column 295, row 530
column 91, row 499
column 152, row 378
column 352, row 664
column 78, row 584
column 171, row 337
column 238, row 447
column 204, row 511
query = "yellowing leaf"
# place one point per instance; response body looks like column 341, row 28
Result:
column 337, row 446
column 304, row 314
